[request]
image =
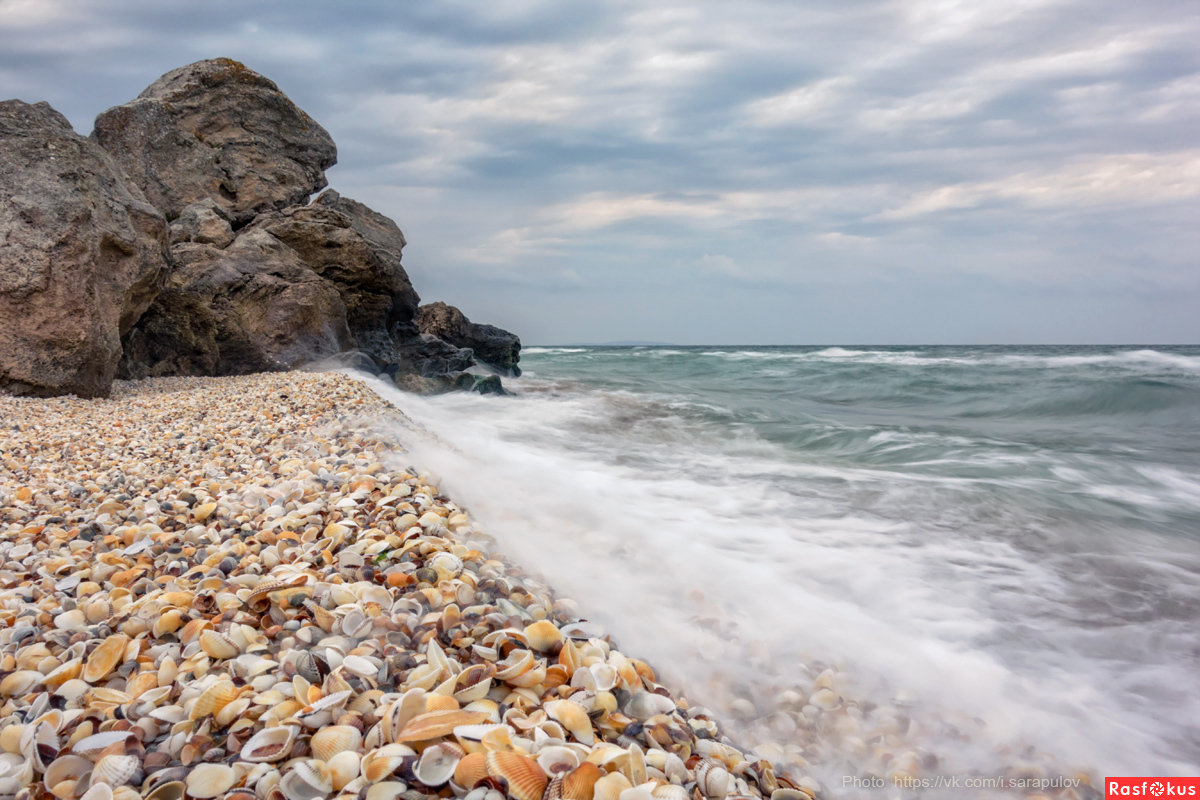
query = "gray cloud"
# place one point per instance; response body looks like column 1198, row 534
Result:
column 904, row 171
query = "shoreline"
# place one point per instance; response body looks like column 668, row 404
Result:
column 187, row 563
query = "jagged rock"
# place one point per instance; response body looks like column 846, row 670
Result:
column 451, row 382
column 358, row 250
column 216, row 130
column 427, row 355
column 82, row 254
column 250, row 307
column 493, row 346
column 294, row 285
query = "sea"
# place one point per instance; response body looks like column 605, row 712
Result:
column 987, row 557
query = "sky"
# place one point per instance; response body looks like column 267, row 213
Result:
column 758, row 172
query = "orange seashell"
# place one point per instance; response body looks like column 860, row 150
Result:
column 440, row 702
column 436, row 724
column 578, row 784
column 213, row 699
column 398, row 579
column 525, row 778
column 64, row 673
column 556, row 676
column 140, row 683
column 105, row 658
column 471, row 769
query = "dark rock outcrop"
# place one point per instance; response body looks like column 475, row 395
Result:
column 493, row 346
column 82, row 255
column 215, row 130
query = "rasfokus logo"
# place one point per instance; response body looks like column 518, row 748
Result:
column 1151, row 787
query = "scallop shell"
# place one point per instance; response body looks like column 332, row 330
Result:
column 270, row 744
column 525, row 778
column 473, row 683
column 471, row 769
column 210, row 780
column 435, row 724
column 104, row 658
column 437, row 764
column 578, row 784
column 116, row 770
column 573, row 717
column 218, row 645
column 328, row 742
column 712, row 779
column 213, row 699
column 308, row 779
column 378, row 764
column 610, row 786
column 320, row 712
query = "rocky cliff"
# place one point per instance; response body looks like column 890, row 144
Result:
column 180, row 240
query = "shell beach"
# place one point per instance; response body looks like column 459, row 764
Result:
column 232, row 588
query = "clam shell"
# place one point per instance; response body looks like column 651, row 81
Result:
column 573, row 718
column 328, row 742
column 209, row 780
column 386, row 790
column 712, row 779
column 471, row 769
column 213, row 699
column 171, row 790
column 98, row 791
column 116, row 770
column 471, row 736
column 64, row 768
column 543, row 636
column 104, row 658
column 343, row 768
column 437, row 764
column 100, row 741
column 436, row 724
column 526, row 781
column 269, row 744
column 557, row 760
column 19, row 683
column 579, row 783
column 218, row 645
column 610, row 786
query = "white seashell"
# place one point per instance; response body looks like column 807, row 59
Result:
column 99, row 741
column 329, row 741
column 117, row 770
column 712, row 779
column 644, row 705
column 557, row 759
column 210, row 780
column 98, row 791
column 437, row 763
column 269, row 744
column 308, row 780
column 387, row 790
column 344, row 768
column 361, row 666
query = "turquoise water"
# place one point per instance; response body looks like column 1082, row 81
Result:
column 1008, row 536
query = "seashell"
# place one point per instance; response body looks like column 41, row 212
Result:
column 360, row 666
column 104, row 658
column 171, row 790
column 65, row 768
column 670, row 791
column 329, row 741
column 643, row 705
column 543, row 636
column 97, row 742
column 517, row 663
column 525, row 778
column 435, row 724
column 213, row 699
column 21, row 682
column 63, row 673
column 471, row 737
column 39, row 744
column 378, row 764
column 557, row 760
column 269, row 744
column 309, row 780
column 441, row 702
column 634, row 765
column 712, row 779
column 116, row 770
column 168, row 622
column 825, row 699
column 610, row 786
column 473, row 683
column 573, row 717
column 320, row 712
column 344, row 768
column 471, row 769
column 210, row 780
column 790, row 794
column 437, row 764
column 578, row 783
column 387, row 790
column 98, row 791
column 642, row 791
column 218, row 645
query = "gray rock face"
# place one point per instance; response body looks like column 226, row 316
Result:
column 253, row 306
column 82, row 255
column 215, row 130
column 493, row 346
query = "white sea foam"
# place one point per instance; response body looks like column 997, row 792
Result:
column 729, row 568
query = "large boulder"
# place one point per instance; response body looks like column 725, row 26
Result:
column 82, row 255
column 493, row 346
column 252, row 306
column 215, row 130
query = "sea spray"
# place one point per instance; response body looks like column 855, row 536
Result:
column 942, row 574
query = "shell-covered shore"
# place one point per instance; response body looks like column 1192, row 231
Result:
column 229, row 588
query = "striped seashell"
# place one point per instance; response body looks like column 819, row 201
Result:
column 117, row 770
column 471, row 769
column 578, row 784
column 525, row 778
column 436, row 724
column 210, row 780
column 213, row 699
column 270, row 744
column 105, row 658
column 218, row 645
column 334, row 739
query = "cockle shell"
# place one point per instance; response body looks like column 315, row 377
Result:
column 67, row 768
column 543, row 636
column 334, row 739
column 557, row 760
column 218, row 645
column 309, row 780
column 170, row 790
column 578, row 783
column 712, row 779
column 210, row 780
column 471, row 769
column 213, row 699
column 99, row 741
column 344, row 768
column 117, row 770
column 269, row 744
column 573, row 718
column 525, row 778
column 610, row 786
column 20, row 683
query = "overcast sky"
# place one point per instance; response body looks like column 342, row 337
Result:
column 803, row 171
